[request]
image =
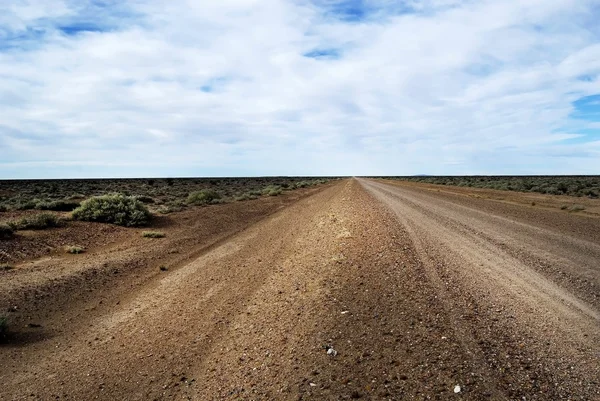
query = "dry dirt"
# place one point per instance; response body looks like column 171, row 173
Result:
column 417, row 291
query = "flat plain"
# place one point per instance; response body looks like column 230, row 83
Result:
column 350, row 289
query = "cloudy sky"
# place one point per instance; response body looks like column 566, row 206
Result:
column 110, row 88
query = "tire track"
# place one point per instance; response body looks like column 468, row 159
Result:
column 499, row 241
column 464, row 250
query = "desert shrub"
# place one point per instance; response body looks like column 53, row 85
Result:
column 246, row 196
column 38, row 221
column 272, row 190
column 5, row 266
column 3, row 208
column 203, row 197
column 302, row 184
column 116, row 209
column 6, row 231
column 59, row 205
column 577, row 208
column 145, row 199
column 153, row 234
column 26, row 205
column 74, row 249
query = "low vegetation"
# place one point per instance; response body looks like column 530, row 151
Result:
column 247, row 196
column 153, row 234
column 38, row 221
column 116, row 209
column 272, row 190
column 58, row 206
column 74, row 249
column 582, row 186
column 163, row 195
column 204, row 197
column 5, row 266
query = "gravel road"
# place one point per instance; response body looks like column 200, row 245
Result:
column 510, row 281
column 364, row 290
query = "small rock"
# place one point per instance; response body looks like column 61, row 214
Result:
column 330, row 350
column 457, row 389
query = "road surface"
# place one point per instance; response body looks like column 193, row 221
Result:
column 365, row 290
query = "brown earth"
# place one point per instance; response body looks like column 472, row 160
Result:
column 416, row 291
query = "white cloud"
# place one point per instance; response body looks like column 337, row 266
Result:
column 194, row 88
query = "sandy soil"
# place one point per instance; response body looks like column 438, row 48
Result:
column 416, row 294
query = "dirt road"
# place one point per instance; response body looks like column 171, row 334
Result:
column 416, row 295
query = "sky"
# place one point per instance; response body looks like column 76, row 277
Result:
column 154, row 88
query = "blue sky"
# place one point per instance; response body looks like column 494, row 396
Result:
column 298, row 87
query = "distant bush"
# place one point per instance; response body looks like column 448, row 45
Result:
column 553, row 185
column 272, row 190
column 6, row 231
column 203, row 197
column 26, row 205
column 59, row 205
column 302, row 184
column 153, row 234
column 5, row 266
column 145, row 199
column 116, row 209
column 245, row 196
column 38, row 221
column 3, row 208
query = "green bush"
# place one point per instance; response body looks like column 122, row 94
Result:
column 59, row 206
column 272, row 190
column 38, row 221
column 153, row 234
column 6, row 231
column 26, row 205
column 203, row 197
column 246, row 196
column 302, row 184
column 145, row 199
column 116, row 209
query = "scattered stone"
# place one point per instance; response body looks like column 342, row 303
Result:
column 330, row 350
column 457, row 389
